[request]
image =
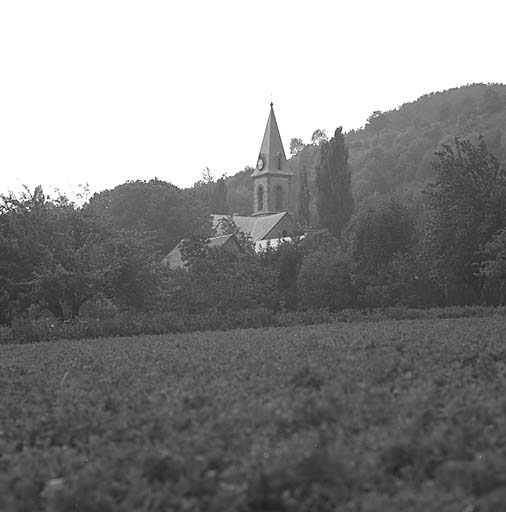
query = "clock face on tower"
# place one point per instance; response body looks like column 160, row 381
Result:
column 260, row 164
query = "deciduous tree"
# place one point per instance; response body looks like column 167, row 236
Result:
column 468, row 206
column 325, row 280
column 318, row 137
column 494, row 266
column 56, row 256
column 296, row 145
column 156, row 210
column 218, row 202
column 378, row 231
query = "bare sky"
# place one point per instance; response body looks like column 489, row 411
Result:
column 104, row 91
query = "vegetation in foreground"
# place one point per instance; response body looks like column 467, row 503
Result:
column 394, row 416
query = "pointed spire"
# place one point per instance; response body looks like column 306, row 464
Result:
column 272, row 158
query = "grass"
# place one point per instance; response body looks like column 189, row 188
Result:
column 393, row 415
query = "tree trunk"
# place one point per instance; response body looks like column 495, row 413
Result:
column 56, row 308
column 77, row 302
column 75, row 307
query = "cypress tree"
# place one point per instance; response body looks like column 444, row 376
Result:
column 304, row 198
column 219, row 197
column 333, row 179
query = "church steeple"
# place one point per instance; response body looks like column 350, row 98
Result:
column 272, row 177
column 271, row 158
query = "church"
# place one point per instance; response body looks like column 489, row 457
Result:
column 273, row 193
column 273, row 201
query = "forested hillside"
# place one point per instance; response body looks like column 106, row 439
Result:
column 396, row 148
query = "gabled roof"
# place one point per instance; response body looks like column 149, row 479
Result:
column 244, row 223
column 218, row 241
column 175, row 260
column 255, row 227
column 272, row 152
column 264, row 225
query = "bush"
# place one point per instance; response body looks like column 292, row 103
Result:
column 6, row 335
column 325, row 281
column 307, row 317
column 128, row 323
column 221, row 281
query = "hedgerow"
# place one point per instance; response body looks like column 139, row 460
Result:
column 132, row 323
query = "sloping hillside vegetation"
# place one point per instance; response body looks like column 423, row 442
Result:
column 396, row 148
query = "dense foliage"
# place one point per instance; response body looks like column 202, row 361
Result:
column 398, row 416
column 57, row 257
column 396, row 148
column 468, row 207
column 211, row 192
column 156, row 210
column 440, row 245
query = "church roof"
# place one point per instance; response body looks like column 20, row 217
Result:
column 258, row 228
column 244, row 223
column 218, row 241
column 175, row 259
column 264, row 225
column 272, row 152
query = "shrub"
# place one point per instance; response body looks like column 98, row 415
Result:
column 131, row 323
column 325, row 282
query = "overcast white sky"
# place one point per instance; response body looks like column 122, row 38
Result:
column 113, row 90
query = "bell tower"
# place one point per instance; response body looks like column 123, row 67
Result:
column 272, row 178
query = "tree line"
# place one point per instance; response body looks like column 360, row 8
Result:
column 444, row 245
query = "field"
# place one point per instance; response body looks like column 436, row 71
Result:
column 377, row 416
